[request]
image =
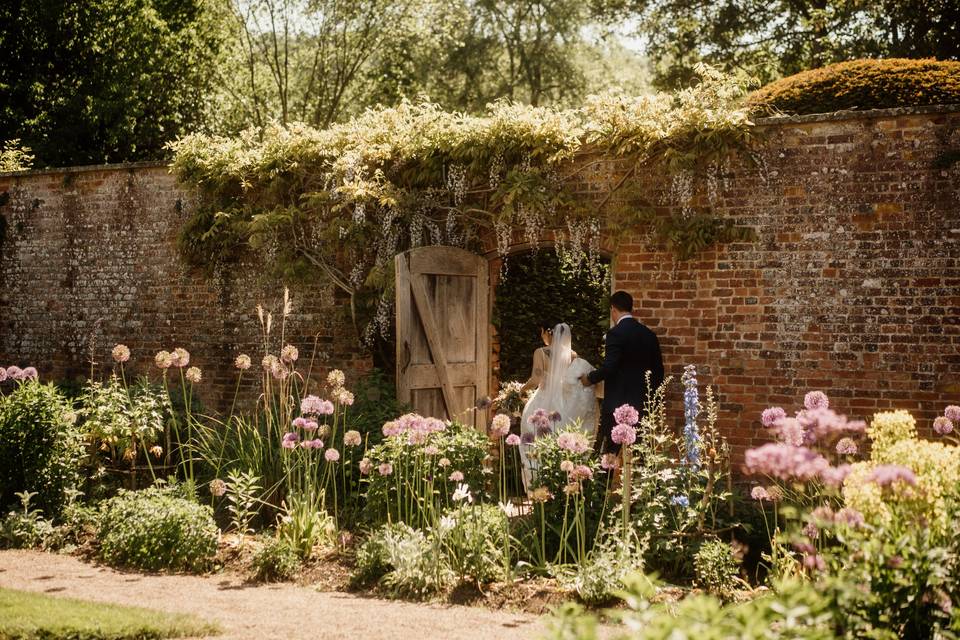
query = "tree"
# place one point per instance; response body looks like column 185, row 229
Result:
column 771, row 38
column 105, row 80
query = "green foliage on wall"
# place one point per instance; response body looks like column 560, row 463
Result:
column 540, row 286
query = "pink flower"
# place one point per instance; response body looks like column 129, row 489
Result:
column 331, row 455
column 573, row 442
column 181, row 357
column 14, row 372
column 343, row 397
column 3, row 374
column 290, row 440
column 814, row 561
column 770, row 416
column 888, row 474
column 444, row 462
column 810, row 530
column 623, row 434
column 500, row 426
column 816, row 400
column 316, row 443
column 581, row 472
column 242, row 362
column 943, row 425
column 289, row 353
column 352, row 438
column 540, row 421
column 431, row 450
column 194, row 375
column 366, row 466
column 567, row 466
column 626, row 414
column 29, row 373
column 385, row 469
column 789, row 431
column 609, row 461
column 314, row 406
column 513, row 440
column 952, row 413
column 847, row 447
column 456, row 476
column 121, row 353
column 834, row 476
column 825, row 424
column 391, row 429
column 822, row 513
column 849, row 517
column 785, row 462
column 759, row 493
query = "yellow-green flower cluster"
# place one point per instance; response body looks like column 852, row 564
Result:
column 936, row 466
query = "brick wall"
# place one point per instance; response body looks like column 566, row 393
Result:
column 852, row 287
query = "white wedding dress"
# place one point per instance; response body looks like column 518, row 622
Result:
column 560, row 392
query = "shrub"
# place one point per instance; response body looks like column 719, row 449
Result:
column 276, row 560
column 473, row 538
column 863, row 84
column 25, row 528
column 716, row 568
column 403, row 561
column 156, row 529
column 601, row 579
column 41, row 448
column 126, row 422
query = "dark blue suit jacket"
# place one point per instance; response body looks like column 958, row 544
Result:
column 632, row 349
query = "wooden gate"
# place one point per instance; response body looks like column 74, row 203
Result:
column 443, row 352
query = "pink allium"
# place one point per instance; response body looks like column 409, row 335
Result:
column 444, row 462
column 242, row 362
column 218, row 487
column 943, row 425
column 555, row 417
column 834, row 476
column 770, row 416
column 814, row 561
column 120, row 353
column 194, row 375
column 289, row 353
column 540, row 421
column 823, row 513
column 888, row 474
column 431, row 450
column 789, row 431
column 609, row 461
column 952, row 413
column 269, row 362
column 343, row 397
column 3, row 374
column 785, row 462
column 14, row 372
column 816, row 400
column 826, row 424
column 312, row 405
column 849, row 517
column 391, row 429
column 810, row 530
column 290, row 440
column 352, row 438
column 331, row 455
column 759, row 493
column 567, row 466
column 29, row 373
column 573, row 442
column 456, row 476
column 181, row 357
column 366, row 466
column 581, row 472
column 623, row 434
column 163, row 359
column 336, row 379
column 847, row 447
column 385, row 469
column 513, row 440
column 626, row 414
column 316, row 443
column 500, row 426
column 299, row 422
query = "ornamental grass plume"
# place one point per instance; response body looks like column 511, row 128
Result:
column 120, row 353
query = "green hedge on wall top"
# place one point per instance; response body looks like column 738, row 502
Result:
column 862, row 84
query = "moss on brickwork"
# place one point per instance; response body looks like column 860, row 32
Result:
column 863, row 84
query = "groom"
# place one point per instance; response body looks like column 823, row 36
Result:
column 632, row 349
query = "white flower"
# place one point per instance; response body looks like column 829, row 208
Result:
column 509, row 509
column 462, row 493
column 447, row 523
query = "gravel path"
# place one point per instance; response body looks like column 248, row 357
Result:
column 262, row 611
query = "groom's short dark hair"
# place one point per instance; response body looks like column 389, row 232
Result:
column 622, row 301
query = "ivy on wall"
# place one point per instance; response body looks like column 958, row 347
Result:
column 345, row 200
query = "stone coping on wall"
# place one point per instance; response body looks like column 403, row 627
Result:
column 847, row 114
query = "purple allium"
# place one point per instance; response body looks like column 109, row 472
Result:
column 194, row 375
column 314, row 406
column 555, row 417
column 331, row 455
column 623, row 434
column 790, row 431
column 626, row 414
column 316, row 443
column 385, row 469
column 826, row 424
column 484, row 403
column 785, row 462
column 456, row 476
column 887, row 474
column 29, row 373
column 14, row 373
column 952, row 413
column 540, row 421
column 290, row 440
column 823, row 513
column 759, row 493
column 810, row 530
column 500, row 426
column 816, row 400
column 3, row 374
column 834, row 476
column 527, row 438
column 567, row 466
column 366, row 466
column 581, row 472
column 849, row 517
column 513, row 440
column 847, row 447
column 770, row 416
column 814, row 561
column 943, row 425
column 609, row 461
column 391, row 429
column 573, row 442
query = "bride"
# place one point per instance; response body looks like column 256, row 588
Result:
column 559, row 395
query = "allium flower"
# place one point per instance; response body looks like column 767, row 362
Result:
column 194, row 375
column 500, row 426
column 572, row 489
column 3, row 374
column 681, row 501
column 540, row 421
column 759, row 493
column 513, row 440
column 581, row 472
column 774, row 493
column 790, row 431
column 814, row 561
column 269, row 363
column 314, row 406
column 626, row 414
column 849, row 517
column 822, row 513
column 29, row 373
column 217, row 487
column 242, row 362
column 573, row 441
column 456, row 476
column 785, row 462
column 847, row 447
column 462, row 491
column 343, row 397
column 943, row 425
column 316, row 443
column 336, row 379
column 352, row 438
column 163, row 359
column 566, row 466
column 431, row 450
column 279, row 371
column 290, row 440
column 770, row 416
column 14, row 372
column 541, row 494
column 181, row 357
column 385, row 469
column 527, row 438
column 623, row 434
column 484, row 403
column 289, row 354
column 609, row 461
column 816, row 400
column 444, row 462
column 952, row 413
column 826, row 424
column 887, row 474
column 331, row 455
column 120, row 353
column 555, row 417
column 810, row 530
column 366, row 466
column 391, row 428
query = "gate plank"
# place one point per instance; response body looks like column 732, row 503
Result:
column 433, row 338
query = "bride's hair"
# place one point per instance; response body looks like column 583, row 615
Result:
column 546, row 325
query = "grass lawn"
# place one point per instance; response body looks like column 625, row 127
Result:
column 35, row 616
